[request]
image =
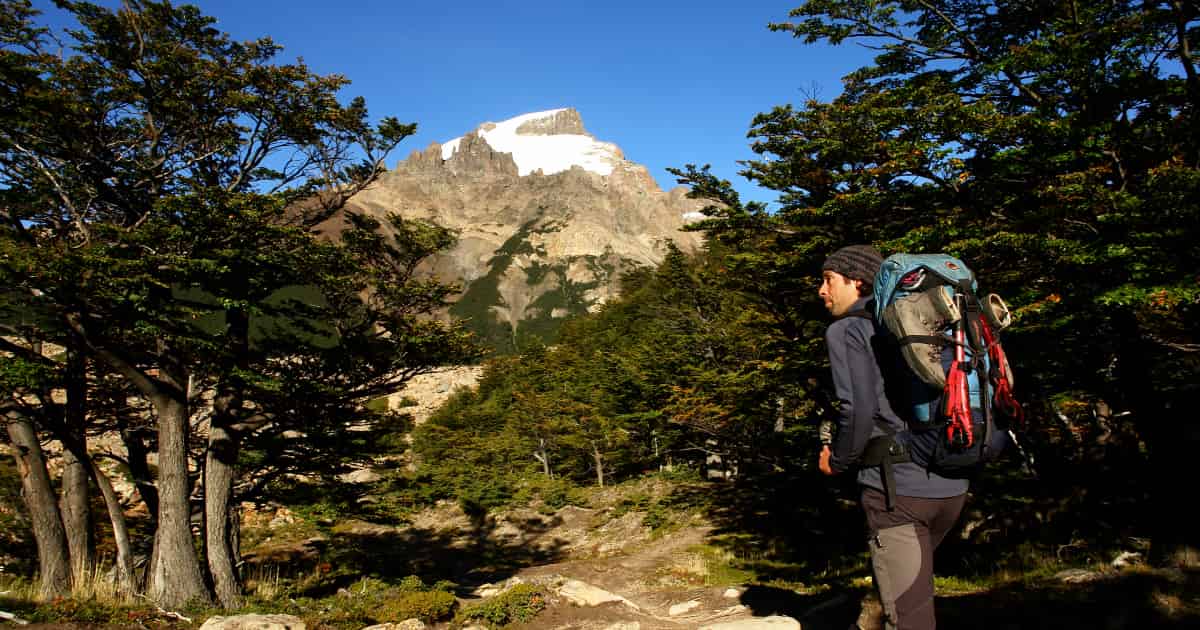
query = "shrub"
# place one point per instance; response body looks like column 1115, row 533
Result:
column 550, row 494
column 377, row 405
column 428, row 606
column 657, row 517
column 518, row 604
column 412, row 584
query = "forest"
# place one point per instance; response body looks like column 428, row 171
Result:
column 159, row 186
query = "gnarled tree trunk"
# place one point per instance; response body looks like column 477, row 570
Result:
column 75, row 507
column 116, row 513
column 116, row 516
column 77, row 517
column 219, row 470
column 175, row 576
column 54, row 561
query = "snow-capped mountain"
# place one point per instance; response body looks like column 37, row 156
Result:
column 551, row 142
column 548, row 218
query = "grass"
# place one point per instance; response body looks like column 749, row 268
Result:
column 706, row 565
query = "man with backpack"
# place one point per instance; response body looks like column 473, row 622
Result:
column 909, row 508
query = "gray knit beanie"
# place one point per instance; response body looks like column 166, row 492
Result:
column 856, row 262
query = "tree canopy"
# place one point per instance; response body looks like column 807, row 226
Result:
column 159, row 189
column 1050, row 145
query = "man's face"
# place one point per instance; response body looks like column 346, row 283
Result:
column 838, row 292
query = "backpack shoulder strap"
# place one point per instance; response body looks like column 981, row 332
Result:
column 867, row 312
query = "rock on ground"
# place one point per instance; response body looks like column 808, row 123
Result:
column 407, row 624
column 254, row 622
column 774, row 622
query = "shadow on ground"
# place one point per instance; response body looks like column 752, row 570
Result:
column 466, row 559
column 801, row 531
column 1121, row 602
column 798, row 529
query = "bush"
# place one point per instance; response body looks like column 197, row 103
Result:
column 552, row 494
column 657, row 517
column 428, row 606
column 412, row 584
column 518, row 604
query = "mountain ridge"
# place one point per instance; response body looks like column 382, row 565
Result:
column 547, row 222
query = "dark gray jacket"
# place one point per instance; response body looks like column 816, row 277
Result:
column 863, row 406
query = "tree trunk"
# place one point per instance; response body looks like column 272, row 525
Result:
column 175, row 576
column 116, row 516
column 543, row 456
column 75, row 503
column 598, row 458
column 219, row 470
column 77, row 518
column 139, row 467
column 54, row 564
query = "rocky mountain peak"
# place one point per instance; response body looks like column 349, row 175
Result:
column 475, row 157
column 551, row 142
column 557, row 122
column 548, row 218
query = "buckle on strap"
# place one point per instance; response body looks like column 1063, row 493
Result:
column 884, row 451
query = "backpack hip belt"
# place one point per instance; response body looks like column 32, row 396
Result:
column 884, row 451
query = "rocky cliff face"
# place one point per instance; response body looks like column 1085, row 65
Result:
column 547, row 218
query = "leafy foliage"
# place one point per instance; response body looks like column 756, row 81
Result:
column 519, row 604
column 678, row 367
column 425, row 605
column 1050, row 145
column 163, row 192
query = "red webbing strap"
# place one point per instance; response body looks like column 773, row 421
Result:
column 957, row 395
column 1006, row 402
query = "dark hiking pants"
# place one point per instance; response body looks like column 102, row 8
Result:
column 902, row 543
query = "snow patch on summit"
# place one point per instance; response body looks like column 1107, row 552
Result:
column 547, row 153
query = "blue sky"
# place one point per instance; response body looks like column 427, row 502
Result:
column 670, row 82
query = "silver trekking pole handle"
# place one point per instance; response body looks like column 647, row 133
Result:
column 1026, row 458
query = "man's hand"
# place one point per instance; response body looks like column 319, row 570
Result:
column 823, row 461
column 825, row 431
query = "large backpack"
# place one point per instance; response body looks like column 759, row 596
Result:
column 955, row 383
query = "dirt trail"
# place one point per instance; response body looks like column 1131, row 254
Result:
column 661, row 578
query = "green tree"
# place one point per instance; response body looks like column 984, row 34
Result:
column 680, row 366
column 1051, row 145
column 159, row 188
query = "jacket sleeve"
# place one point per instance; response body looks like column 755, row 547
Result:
column 854, row 377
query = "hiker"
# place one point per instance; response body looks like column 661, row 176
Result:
column 909, row 515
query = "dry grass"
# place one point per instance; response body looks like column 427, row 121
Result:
column 96, row 585
column 263, row 582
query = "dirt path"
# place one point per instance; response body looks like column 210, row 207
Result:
column 660, row 583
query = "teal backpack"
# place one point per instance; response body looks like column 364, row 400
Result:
column 954, row 384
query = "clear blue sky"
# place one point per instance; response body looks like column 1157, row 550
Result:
column 670, row 82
